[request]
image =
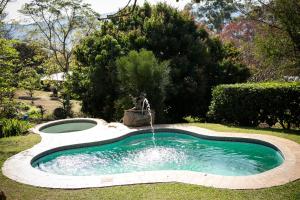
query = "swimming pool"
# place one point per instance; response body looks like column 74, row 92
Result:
column 65, row 126
column 170, row 150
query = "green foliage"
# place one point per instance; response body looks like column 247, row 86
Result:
column 287, row 13
column 59, row 113
column 277, row 40
column 60, row 25
column 140, row 72
column 34, row 113
column 96, row 77
column 8, row 109
column 29, row 80
column 13, row 127
column 216, row 13
column 9, row 60
column 274, row 49
column 251, row 104
column 31, row 55
column 196, row 61
column 191, row 119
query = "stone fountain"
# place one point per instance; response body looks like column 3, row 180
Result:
column 140, row 114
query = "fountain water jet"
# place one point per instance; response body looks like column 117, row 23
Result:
column 146, row 102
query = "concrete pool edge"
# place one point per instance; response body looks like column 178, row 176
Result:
column 38, row 128
column 18, row 167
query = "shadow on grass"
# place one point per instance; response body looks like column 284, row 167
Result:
column 29, row 98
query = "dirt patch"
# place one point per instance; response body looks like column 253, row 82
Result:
column 44, row 99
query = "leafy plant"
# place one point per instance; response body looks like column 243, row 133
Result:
column 13, row 127
column 95, row 79
column 29, row 80
column 140, row 72
column 59, row 113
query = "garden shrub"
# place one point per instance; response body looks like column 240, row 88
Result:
column 254, row 103
column 13, row 127
column 34, row 113
column 94, row 81
column 140, row 72
column 59, row 113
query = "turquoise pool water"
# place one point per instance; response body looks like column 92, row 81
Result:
column 68, row 127
column 169, row 151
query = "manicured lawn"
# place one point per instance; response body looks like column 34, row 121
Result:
column 14, row 190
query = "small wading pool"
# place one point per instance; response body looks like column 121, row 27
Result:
column 169, row 151
column 68, row 126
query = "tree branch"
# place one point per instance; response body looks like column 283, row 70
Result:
column 119, row 13
column 3, row 5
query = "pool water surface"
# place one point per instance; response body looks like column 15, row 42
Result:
column 169, row 151
column 66, row 127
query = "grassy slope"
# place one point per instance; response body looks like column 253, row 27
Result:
column 172, row 191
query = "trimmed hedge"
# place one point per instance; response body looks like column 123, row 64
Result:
column 253, row 103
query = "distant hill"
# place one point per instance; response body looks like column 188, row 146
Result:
column 21, row 31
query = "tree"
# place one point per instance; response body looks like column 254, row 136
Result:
column 95, row 79
column 58, row 21
column 283, row 15
column 215, row 13
column 265, row 31
column 140, row 72
column 8, row 61
column 3, row 4
column 31, row 55
column 277, row 38
column 29, row 80
column 194, row 57
column 287, row 13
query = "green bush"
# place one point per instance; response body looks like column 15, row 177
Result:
column 59, row 113
column 251, row 104
column 34, row 113
column 140, row 72
column 13, row 127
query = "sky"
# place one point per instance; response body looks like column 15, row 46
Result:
column 100, row 6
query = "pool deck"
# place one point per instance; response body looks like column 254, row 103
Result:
column 18, row 167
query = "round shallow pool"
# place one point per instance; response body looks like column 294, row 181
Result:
column 168, row 151
column 68, row 126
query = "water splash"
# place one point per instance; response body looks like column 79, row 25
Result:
column 146, row 102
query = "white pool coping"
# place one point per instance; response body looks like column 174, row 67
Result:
column 18, row 167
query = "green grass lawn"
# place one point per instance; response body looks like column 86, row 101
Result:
column 172, row 191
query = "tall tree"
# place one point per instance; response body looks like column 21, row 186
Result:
column 59, row 22
column 278, row 40
column 215, row 13
column 32, row 55
column 9, row 59
column 195, row 59
column 95, row 79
